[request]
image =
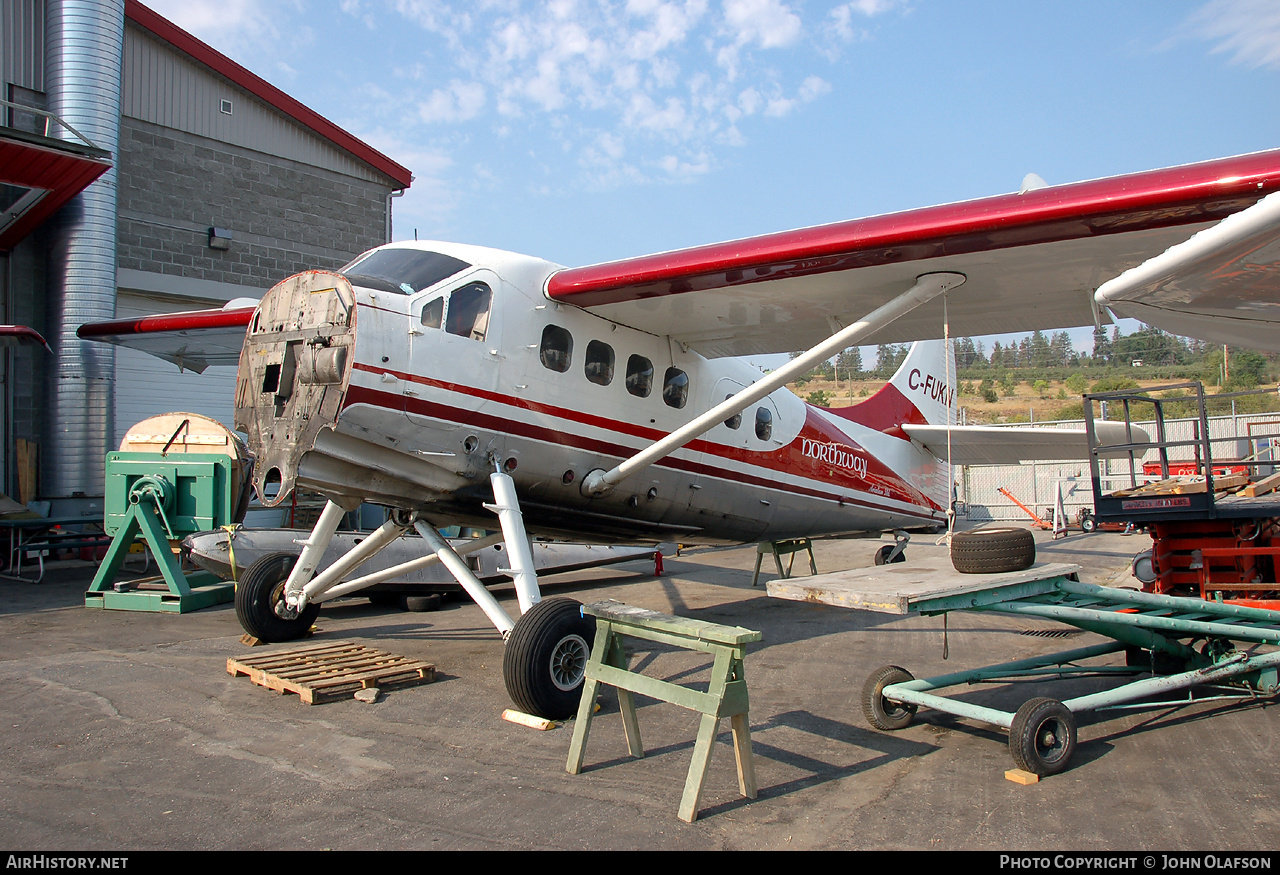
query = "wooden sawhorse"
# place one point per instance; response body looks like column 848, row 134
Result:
column 726, row 694
column 779, row 549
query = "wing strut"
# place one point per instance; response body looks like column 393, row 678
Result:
column 927, row 287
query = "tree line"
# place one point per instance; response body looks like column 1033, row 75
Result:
column 1053, row 357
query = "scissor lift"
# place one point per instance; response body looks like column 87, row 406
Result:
column 1156, row 632
column 1214, row 522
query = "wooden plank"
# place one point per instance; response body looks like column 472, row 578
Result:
column 28, row 453
column 686, row 627
column 1184, row 486
column 897, row 588
column 332, row 670
column 1262, row 487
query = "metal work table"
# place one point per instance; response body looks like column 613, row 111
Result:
column 1155, row 631
column 24, row 533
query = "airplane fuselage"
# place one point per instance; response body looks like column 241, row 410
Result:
column 366, row 389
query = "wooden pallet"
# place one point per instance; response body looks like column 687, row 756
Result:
column 333, row 670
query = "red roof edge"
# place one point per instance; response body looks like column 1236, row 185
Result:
column 184, row 42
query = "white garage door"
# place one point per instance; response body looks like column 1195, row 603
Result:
column 147, row 386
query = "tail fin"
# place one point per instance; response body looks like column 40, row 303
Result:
column 921, row 392
column 927, row 378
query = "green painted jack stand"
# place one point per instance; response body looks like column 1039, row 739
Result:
column 162, row 498
column 726, row 694
column 778, row 549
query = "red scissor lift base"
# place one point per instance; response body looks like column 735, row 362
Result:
column 1210, row 542
column 1223, row 560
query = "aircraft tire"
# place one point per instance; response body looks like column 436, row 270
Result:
column 419, row 604
column 883, row 554
column 260, row 601
column 989, row 551
column 545, row 661
column 880, row 712
column 1042, row 736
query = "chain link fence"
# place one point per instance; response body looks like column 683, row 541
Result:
column 1036, row 484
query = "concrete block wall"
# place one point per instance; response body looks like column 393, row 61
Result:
column 284, row 216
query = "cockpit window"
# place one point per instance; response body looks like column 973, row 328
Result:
column 469, row 311
column 433, row 313
column 404, row 271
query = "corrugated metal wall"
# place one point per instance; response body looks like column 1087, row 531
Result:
column 22, row 44
column 163, row 87
column 1035, row 485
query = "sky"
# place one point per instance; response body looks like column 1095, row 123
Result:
column 583, row 131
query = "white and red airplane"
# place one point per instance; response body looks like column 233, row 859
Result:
column 451, row 383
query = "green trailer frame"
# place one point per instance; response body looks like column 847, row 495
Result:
column 1179, row 642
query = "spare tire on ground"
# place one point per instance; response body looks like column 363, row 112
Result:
column 988, row 551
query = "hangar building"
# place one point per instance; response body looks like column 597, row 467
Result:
column 142, row 172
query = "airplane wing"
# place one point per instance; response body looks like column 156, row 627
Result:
column 999, row 445
column 192, row 340
column 1032, row 260
column 1223, row 284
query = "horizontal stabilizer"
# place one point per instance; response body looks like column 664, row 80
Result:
column 193, row 340
column 1002, row 445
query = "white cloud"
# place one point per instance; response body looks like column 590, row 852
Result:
column 1247, row 29
column 460, row 102
column 230, row 26
column 678, row 168
column 812, row 88
column 766, row 23
column 633, row 90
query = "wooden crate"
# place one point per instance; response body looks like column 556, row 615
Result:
column 333, row 670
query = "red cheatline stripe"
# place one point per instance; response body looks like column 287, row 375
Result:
column 389, row 401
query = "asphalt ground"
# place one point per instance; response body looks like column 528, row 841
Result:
column 124, row 731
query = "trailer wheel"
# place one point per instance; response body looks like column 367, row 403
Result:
column 880, row 712
column 546, row 658
column 1042, row 736
column 882, row 555
column 260, row 605
column 988, row 551
column 1088, row 524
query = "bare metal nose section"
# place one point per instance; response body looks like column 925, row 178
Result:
column 295, row 368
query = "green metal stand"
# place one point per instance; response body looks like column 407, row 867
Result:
column 162, row 498
column 726, row 694
column 778, row 549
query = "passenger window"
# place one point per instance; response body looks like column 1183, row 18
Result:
column 764, row 423
column 734, row 421
column 433, row 313
column 469, row 311
column 557, row 348
column 639, row 376
column 599, row 363
column 675, row 388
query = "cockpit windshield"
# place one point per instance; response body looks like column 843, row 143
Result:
column 404, row 271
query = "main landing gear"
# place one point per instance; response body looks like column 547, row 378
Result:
column 548, row 646
column 260, row 604
column 546, row 658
